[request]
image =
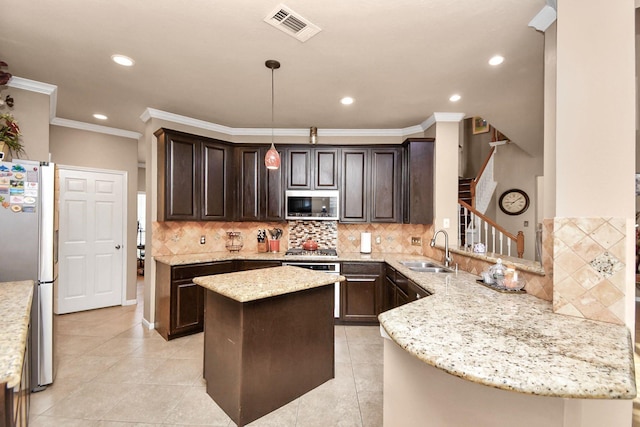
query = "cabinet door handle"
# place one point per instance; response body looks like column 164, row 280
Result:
column 117, row 246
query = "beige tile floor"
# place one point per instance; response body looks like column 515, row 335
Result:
column 112, row 372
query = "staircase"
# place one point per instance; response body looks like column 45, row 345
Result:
column 474, row 196
column 465, row 195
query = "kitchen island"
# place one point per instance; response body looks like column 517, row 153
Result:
column 268, row 337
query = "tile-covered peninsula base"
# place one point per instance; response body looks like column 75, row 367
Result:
column 589, row 268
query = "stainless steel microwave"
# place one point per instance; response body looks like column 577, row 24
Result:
column 312, row 204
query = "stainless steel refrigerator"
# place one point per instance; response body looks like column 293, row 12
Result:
column 28, row 251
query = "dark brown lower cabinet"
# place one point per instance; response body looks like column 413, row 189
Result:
column 179, row 301
column 361, row 293
column 399, row 290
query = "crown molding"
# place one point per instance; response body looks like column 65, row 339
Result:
column 38, row 87
column 32, row 85
column 95, row 128
column 152, row 113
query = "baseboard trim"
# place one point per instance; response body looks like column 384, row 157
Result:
column 147, row 325
column 130, row 302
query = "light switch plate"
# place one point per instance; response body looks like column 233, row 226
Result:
column 446, row 223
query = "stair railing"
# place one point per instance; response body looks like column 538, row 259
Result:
column 483, row 185
column 480, row 229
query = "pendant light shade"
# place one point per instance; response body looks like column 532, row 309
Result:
column 272, row 158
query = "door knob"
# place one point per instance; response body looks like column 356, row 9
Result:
column 117, row 246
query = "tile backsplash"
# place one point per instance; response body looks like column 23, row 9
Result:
column 589, row 268
column 183, row 237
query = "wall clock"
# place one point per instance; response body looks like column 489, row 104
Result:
column 514, row 202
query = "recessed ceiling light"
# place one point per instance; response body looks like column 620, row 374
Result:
column 455, row 98
column 122, row 60
column 496, row 60
column 347, row 100
column 100, row 116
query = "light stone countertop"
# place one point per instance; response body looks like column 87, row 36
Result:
column 15, row 311
column 252, row 285
column 508, row 341
column 511, row 341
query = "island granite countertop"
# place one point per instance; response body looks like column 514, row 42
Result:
column 15, row 312
column 245, row 286
column 508, row 341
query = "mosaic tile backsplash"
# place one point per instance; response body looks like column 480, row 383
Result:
column 589, row 268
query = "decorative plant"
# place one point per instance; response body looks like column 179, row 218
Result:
column 10, row 134
column 9, row 129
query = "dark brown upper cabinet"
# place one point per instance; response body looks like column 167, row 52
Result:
column 194, row 177
column 418, row 181
column 217, row 179
column 326, row 168
column 260, row 190
column 312, row 168
column 371, row 184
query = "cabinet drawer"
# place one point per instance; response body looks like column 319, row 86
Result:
column 206, row 269
column 254, row 265
column 361, row 268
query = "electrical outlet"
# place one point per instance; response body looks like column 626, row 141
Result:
column 526, row 223
column 378, row 240
column 203, row 240
column 416, row 241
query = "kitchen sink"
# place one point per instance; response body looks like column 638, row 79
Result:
column 431, row 269
column 418, row 264
column 425, row 267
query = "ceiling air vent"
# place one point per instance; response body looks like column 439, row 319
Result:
column 285, row 19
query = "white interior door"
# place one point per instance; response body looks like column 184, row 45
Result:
column 91, row 253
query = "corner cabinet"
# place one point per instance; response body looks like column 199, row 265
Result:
column 179, row 301
column 399, row 290
column 371, row 188
column 194, row 177
column 361, row 293
column 418, row 180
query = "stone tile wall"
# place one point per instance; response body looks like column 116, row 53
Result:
column 589, row 268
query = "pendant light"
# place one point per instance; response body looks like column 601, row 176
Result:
column 272, row 158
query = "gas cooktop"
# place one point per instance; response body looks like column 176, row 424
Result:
column 318, row 252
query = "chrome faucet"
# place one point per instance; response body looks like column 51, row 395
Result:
column 447, row 256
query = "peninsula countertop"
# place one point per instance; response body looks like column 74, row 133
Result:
column 508, row 341
column 15, row 311
column 245, row 286
column 511, row 341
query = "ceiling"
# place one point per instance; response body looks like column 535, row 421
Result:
column 401, row 60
